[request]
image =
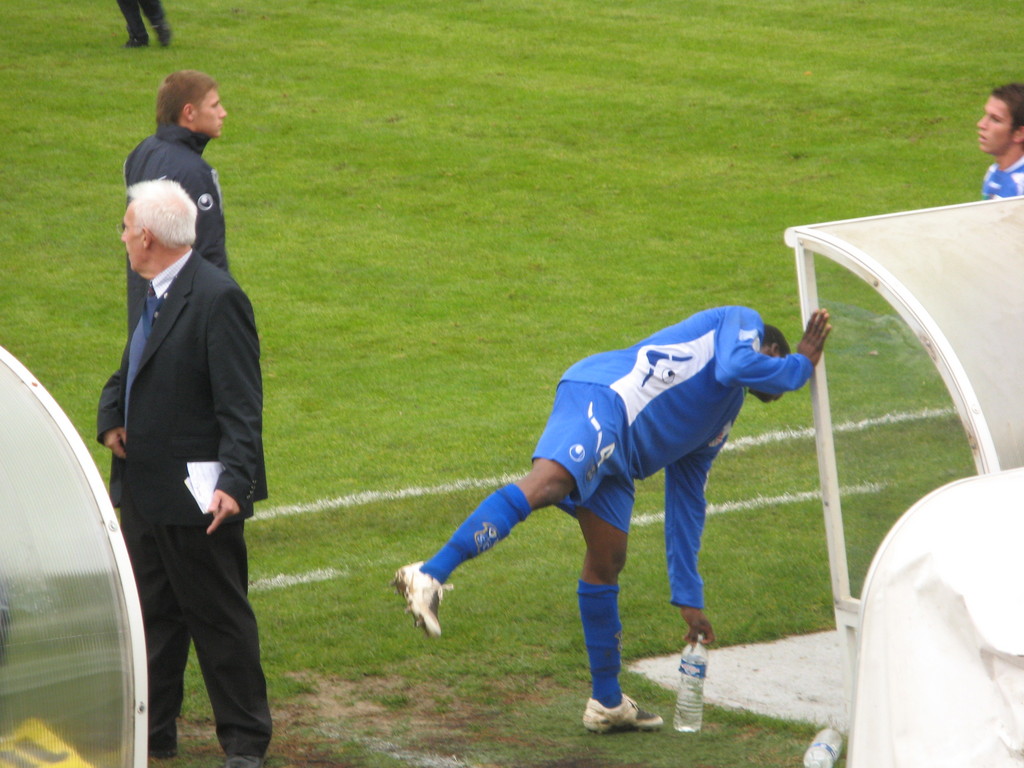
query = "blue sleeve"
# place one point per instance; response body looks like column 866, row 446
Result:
column 738, row 363
column 685, row 509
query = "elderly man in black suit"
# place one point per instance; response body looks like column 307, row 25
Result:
column 186, row 404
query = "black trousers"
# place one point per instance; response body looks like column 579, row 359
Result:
column 193, row 588
column 133, row 10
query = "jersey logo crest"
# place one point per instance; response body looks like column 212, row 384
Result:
column 666, row 374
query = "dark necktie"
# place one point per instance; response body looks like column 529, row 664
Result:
column 153, row 303
column 139, row 337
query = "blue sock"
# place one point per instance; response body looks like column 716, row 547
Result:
column 486, row 526
column 602, row 632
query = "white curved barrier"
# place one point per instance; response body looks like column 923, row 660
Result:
column 73, row 685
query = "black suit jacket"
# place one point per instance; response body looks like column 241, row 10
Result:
column 197, row 396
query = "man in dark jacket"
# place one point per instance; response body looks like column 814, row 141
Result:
column 183, row 418
column 188, row 115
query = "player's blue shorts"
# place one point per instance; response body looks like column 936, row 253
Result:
column 585, row 434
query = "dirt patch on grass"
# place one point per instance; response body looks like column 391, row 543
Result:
column 425, row 726
column 384, row 721
column 381, row 709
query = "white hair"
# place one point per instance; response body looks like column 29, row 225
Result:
column 165, row 209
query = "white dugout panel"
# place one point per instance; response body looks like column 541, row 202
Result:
column 955, row 275
column 73, row 686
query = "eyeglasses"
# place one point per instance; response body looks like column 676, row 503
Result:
column 122, row 227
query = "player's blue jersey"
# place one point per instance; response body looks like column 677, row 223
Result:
column 1008, row 183
column 680, row 391
column 683, row 387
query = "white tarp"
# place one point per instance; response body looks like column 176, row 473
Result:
column 940, row 677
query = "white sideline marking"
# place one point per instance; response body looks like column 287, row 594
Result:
column 392, row 750
column 284, row 580
column 368, row 497
column 742, row 443
column 759, row 502
column 779, row 436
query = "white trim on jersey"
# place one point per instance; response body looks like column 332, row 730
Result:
column 659, row 367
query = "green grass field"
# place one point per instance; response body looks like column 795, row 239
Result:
column 436, row 207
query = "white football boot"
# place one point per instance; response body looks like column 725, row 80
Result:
column 422, row 594
column 625, row 717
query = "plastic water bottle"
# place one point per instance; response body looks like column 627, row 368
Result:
column 693, row 667
column 825, row 749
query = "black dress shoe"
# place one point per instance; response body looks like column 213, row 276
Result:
column 137, row 42
column 243, row 761
column 163, row 754
column 163, row 33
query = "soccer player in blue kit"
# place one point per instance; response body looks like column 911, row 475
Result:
column 1001, row 134
column 668, row 402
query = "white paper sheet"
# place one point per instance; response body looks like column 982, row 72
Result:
column 202, row 482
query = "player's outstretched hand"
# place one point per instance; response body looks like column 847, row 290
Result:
column 813, row 341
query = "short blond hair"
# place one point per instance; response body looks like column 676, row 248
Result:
column 187, row 86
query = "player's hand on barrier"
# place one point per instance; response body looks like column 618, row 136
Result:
column 813, row 342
